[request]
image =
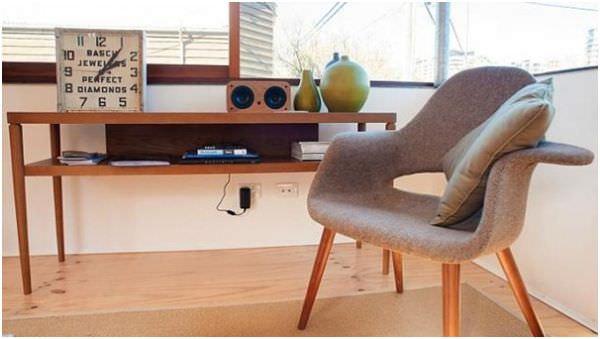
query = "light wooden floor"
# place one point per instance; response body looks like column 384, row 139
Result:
column 143, row 281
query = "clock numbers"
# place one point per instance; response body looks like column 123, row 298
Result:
column 102, row 101
column 100, row 41
column 69, row 54
column 80, row 41
column 134, row 72
column 133, row 88
column 68, row 71
column 133, row 56
column 69, row 87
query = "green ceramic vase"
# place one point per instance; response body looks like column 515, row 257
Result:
column 307, row 97
column 345, row 86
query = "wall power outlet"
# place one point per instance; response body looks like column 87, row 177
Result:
column 288, row 189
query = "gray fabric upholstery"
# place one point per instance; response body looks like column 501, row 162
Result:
column 519, row 123
column 353, row 193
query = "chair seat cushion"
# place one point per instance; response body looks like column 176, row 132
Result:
column 399, row 221
column 519, row 123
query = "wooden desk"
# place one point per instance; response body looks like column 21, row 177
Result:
column 51, row 167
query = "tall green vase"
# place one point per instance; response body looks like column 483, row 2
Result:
column 307, row 97
column 345, row 86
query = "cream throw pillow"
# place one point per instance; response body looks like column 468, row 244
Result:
column 519, row 123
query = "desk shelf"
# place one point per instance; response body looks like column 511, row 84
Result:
column 196, row 118
column 160, row 132
column 49, row 167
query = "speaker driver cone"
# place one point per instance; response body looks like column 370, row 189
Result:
column 242, row 97
column 275, row 97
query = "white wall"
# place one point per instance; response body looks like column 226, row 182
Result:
column 557, row 251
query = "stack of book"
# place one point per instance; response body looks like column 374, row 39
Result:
column 80, row 158
column 309, row 150
column 213, row 154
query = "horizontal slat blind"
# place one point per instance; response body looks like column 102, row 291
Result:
column 256, row 38
column 208, row 47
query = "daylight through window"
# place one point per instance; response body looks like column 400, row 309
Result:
column 391, row 40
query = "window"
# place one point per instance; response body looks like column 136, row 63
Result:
column 388, row 39
column 392, row 40
column 177, row 32
column 536, row 36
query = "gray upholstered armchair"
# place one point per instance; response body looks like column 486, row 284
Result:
column 353, row 192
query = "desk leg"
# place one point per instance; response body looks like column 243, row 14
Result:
column 58, row 195
column 385, row 261
column 18, row 172
column 385, row 269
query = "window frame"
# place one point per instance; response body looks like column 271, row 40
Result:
column 168, row 74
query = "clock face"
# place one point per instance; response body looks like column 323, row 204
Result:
column 100, row 70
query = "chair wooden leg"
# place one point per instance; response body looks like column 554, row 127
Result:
column 398, row 271
column 358, row 244
column 451, row 299
column 385, row 262
column 317, row 274
column 507, row 261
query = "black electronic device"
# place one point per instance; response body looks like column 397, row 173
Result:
column 245, row 197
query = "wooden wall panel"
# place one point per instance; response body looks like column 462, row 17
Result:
column 269, row 140
column 234, row 40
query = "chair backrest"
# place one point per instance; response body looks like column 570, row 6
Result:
column 462, row 103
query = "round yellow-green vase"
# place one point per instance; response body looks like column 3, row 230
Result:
column 307, row 97
column 345, row 86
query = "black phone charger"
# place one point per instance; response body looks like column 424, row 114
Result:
column 245, row 197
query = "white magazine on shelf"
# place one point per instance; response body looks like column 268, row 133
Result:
column 310, row 147
column 308, row 157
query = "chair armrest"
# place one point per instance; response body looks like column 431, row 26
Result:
column 360, row 162
column 507, row 188
column 553, row 153
column 355, row 161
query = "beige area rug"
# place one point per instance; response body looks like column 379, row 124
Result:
column 413, row 313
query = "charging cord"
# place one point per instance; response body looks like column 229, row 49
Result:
column 230, row 212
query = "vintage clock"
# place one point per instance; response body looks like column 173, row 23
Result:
column 100, row 70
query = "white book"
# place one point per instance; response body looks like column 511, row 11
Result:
column 310, row 147
column 308, row 156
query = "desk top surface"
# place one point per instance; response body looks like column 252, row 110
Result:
column 195, row 118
